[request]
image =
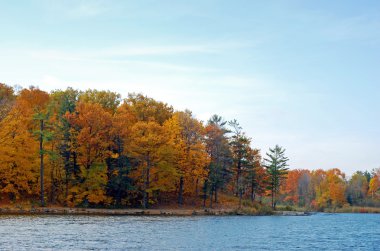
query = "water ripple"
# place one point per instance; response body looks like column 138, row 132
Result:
column 316, row 232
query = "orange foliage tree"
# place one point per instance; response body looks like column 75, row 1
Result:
column 19, row 150
column 91, row 126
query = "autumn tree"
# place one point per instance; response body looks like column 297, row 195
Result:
column 357, row 188
column 319, row 186
column 19, row 151
column 7, row 99
column 91, row 125
column 64, row 104
column 147, row 109
column 296, row 187
column 374, row 186
column 290, row 186
column 149, row 145
column 120, row 163
column 107, row 99
column 336, row 181
column 186, row 134
column 276, row 166
column 304, row 189
column 329, row 188
column 39, row 100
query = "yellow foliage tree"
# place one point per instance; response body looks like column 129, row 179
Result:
column 19, row 150
column 191, row 158
column 149, row 145
column 374, row 186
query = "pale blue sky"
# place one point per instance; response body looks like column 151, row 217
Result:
column 302, row 74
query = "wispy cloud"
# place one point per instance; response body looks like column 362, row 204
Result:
column 112, row 58
column 155, row 50
column 141, row 50
column 87, row 9
column 148, row 56
column 76, row 9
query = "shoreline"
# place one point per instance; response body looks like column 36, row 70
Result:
column 156, row 212
column 141, row 212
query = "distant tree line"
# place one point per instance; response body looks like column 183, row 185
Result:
column 321, row 189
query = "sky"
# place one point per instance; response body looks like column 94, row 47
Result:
column 301, row 74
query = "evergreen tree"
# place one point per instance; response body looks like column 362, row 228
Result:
column 240, row 148
column 276, row 165
column 218, row 149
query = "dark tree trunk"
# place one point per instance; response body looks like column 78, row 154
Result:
column 211, row 195
column 216, row 194
column 118, row 197
column 196, row 188
column 240, row 197
column 146, row 194
column 205, row 193
column 204, row 200
column 66, row 186
column 52, row 186
column 238, row 173
column 273, row 206
column 67, row 167
column 75, row 164
column 42, row 163
column 180, row 192
column 253, row 195
column 119, row 166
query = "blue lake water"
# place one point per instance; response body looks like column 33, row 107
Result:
column 316, row 232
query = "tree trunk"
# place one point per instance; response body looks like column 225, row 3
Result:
column 66, row 186
column 67, row 167
column 240, row 197
column 180, row 192
column 196, row 188
column 253, row 195
column 42, row 163
column 211, row 195
column 238, row 178
column 216, row 195
column 273, row 206
column 205, row 193
column 52, row 186
column 146, row 194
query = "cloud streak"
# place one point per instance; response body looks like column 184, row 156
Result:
column 148, row 56
column 76, row 9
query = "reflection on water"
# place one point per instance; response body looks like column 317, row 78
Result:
column 316, row 232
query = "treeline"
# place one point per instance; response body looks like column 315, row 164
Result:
column 321, row 189
column 93, row 148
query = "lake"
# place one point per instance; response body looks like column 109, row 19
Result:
column 315, row 232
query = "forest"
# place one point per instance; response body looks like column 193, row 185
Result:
column 96, row 149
